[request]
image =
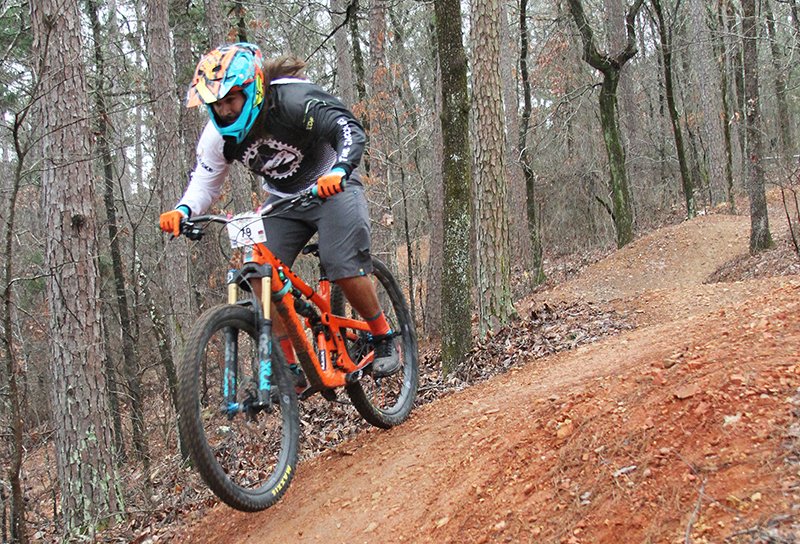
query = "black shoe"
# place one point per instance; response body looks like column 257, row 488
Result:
column 386, row 361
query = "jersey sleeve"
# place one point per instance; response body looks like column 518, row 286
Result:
column 205, row 181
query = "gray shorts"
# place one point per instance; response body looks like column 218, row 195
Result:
column 344, row 233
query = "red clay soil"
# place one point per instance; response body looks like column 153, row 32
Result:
column 686, row 429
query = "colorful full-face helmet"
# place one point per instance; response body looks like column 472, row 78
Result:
column 233, row 67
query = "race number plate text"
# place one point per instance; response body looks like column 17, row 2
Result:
column 246, row 229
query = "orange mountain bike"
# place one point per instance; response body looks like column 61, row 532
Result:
column 237, row 403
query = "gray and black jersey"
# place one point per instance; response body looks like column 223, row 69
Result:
column 306, row 132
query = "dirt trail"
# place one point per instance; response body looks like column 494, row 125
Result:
column 686, row 425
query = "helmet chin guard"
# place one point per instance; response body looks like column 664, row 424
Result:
column 232, row 67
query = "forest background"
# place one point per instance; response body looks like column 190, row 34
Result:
column 504, row 136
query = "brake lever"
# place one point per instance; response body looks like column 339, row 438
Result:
column 191, row 231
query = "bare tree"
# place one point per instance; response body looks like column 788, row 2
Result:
column 719, row 31
column 379, row 120
column 169, row 172
column 610, row 65
column 760, row 237
column 779, row 81
column 129, row 354
column 491, row 216
column 456, row 278
column 531, row 211
column 434, row 196
column 84, row 445
column 665, row 30
column 9, row 349
column 341, row 12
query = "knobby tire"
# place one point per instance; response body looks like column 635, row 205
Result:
column 248, row 465
column 386, row 402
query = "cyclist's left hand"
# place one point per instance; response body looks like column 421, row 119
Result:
column 170, row 222
column 331, row 183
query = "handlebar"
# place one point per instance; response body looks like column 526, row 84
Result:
column 193, row 231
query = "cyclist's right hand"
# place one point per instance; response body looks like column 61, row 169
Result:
column 170, row 222
column 330, row 184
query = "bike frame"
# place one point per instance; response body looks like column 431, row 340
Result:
column 331, row 366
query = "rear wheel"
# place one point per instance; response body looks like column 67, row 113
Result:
column 384, row 402
column 248, row 456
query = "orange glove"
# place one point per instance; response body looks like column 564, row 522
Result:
column 331, row 183
column 171, row 221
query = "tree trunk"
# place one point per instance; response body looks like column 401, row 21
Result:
column 18, row 529
column 359, row 71
column 620, row 195
column 409, row 167
column 687, row 183
column 721, row 53
column 514, row 173
column 531, row 210
column 784, row 118
column 378, row 112
column 214, row 23
column 129, row 355
column 492, row 228
column 738, row 77
column 344, row 58
column 434, row 196
column 84, row 445
column 457, row 173
column 760, row 237
column 169, row 173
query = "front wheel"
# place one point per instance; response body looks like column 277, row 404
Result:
column 384, row 402
column 244, row 448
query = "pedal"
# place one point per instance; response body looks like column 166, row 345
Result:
column 307, row 392
column 263, row 406
column 354, row 377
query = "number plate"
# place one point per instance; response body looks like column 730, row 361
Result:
column 246, row 229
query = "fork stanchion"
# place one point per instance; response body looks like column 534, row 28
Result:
column 233, row 287
column 266, row 294
column 265, row 341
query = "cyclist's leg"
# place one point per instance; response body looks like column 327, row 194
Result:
column 361, row 294
column 286, row 236
column 344, row 234
column 344, row 248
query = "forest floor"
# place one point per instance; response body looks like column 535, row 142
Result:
column 682, row 426
column 650, row 396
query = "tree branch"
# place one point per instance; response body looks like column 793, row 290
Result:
column 590, row 52
column 630, row 30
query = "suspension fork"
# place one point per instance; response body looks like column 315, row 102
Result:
column 230, row 374
column 265, row 339
column 263, row 370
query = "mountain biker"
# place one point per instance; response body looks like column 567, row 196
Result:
column 294, row 135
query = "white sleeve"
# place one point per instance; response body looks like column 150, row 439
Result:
column 205, row 181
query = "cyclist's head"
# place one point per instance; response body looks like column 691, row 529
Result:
column 225, row 70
